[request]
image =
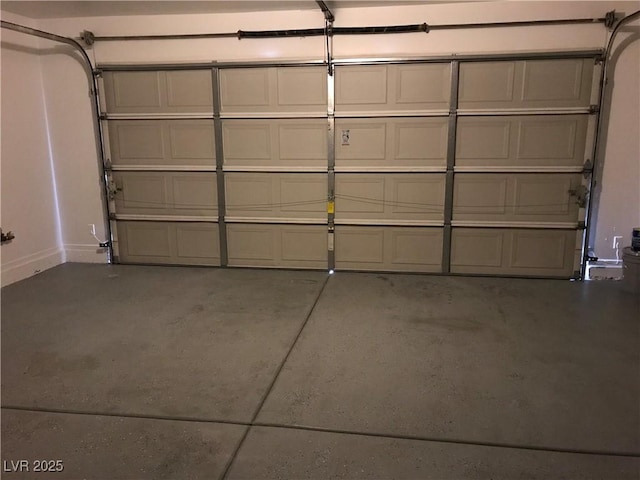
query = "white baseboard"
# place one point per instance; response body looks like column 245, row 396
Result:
column 30, row 265
column 85, row 253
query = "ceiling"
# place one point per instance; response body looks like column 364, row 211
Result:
column 65, row 9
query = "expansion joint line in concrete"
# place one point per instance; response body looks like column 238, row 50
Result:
column 138, row 416
column 309, row 428
column 472, row 443
column 273, row 381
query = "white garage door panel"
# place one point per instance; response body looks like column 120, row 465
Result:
column 248, row 141
column 255, row 144
column 290, row 246
column 303, row 87
column 159, row 91
column 475, row 249
column 423, row 86
column 179, row 243
column 304, row 245
column 253, row 245
column 402, row 249
column 366, row 141
column 502, row 251
column 388, row 143
column 189, row 90
column 197, row 241
column 361, row 86
column 145, row 240
column 244, row 88
column 273, row 90
column 513, row 252
column 392, row 87
column 276, row 196
column 541, row 250
column 166, row 193
column 137, row 142
column 488, row 83
column 303, row 142
column 552, row 81
column 134, row 91
column 162, row 143
column 390, row 197
column 521, row 141
column 525, row 84
column 479, row 195
column 515, row 197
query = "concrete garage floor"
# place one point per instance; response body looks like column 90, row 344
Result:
column 127, row 372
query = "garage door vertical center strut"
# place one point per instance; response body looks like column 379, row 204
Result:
column 222, row 206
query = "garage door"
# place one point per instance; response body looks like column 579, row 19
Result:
column 521, row 142
column 162, row 166
column 179, row 197
column 438, row 165
column 391, row 161
column 463, row 167
column 274, row 130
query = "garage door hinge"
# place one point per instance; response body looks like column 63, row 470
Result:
column 581, row 225
column 587, row 168
column 103, row 116
column 594, row 109
column 112, row 216
column 97, row 73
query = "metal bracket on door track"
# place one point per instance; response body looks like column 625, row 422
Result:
column 581, row 193
column 328, row 15
column 88, row 37
column 6, row 237
column 113, row 189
